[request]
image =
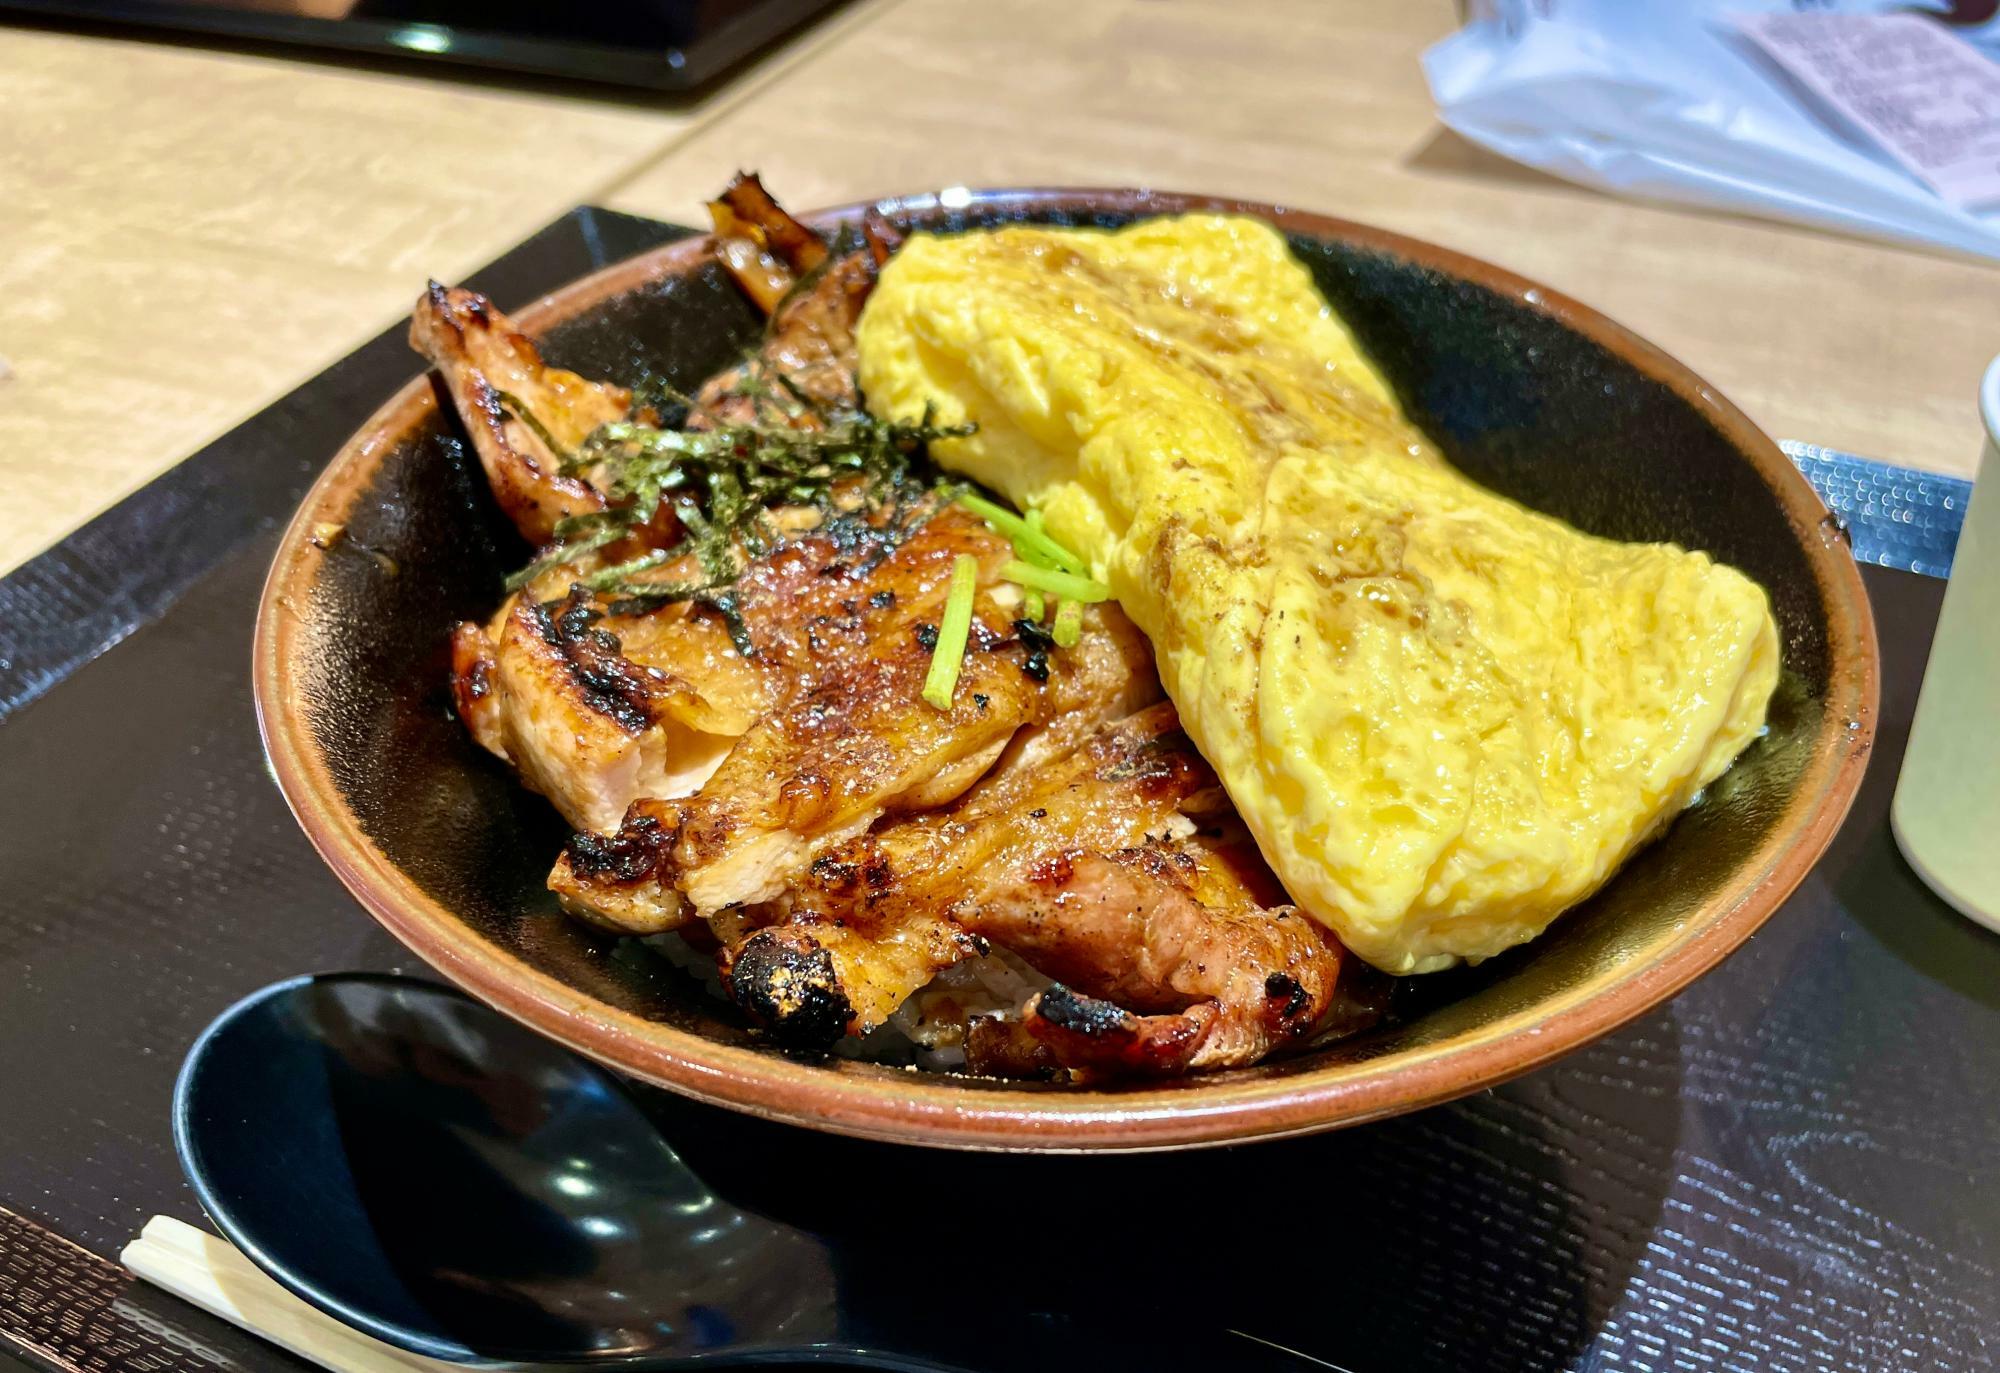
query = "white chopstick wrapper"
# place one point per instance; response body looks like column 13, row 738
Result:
column 197, row 1267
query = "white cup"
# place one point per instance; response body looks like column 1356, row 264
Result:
column 1947, row 809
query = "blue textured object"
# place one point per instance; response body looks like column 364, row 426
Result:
column 1896, row 516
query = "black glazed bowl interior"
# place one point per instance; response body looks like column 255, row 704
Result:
column 1527, row 392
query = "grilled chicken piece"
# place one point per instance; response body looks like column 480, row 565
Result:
column 746, row 210
column 811, row 343
column 856, row 741
column 1167, row 931
column 546, row 684
column 808, row 350
column 766, row 258
column 863, row 743
column 1093, row 872
column 598, row 709
column 595, row 719
column 484, row 360
column 876, row 918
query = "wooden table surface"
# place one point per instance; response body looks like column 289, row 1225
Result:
column 187, row 233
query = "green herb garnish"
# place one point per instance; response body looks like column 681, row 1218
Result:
column 721, row 486
column 954, row 627
column 1068, row 627
column 1031, row 545
column 1042, row 567
column 1065, row 585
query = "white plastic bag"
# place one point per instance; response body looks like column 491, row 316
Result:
column 1663, row 99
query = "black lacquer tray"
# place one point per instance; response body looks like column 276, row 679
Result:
column 1787, row 1167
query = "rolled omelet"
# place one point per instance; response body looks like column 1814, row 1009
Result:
column 1445, row 717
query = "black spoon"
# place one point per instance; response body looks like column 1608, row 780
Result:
column 426, row 1170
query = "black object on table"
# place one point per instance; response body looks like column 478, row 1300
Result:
column 1786, row 1167
column 653, row 44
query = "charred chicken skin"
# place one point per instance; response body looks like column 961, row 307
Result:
column 763, row 772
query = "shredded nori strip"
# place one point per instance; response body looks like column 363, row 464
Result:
column 865, row 476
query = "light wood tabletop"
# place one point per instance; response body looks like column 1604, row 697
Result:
column 194, row 232
column 188, row 233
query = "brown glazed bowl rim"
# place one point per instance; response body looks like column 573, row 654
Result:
column 912, row 1108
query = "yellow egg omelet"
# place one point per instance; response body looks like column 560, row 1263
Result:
column 1444, row 716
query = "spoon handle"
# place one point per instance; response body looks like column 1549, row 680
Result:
column 209, row 1272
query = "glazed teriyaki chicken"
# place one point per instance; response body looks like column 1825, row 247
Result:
column 722, row 670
